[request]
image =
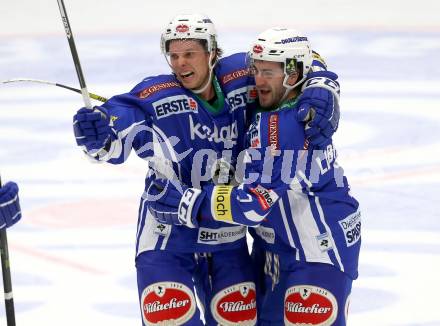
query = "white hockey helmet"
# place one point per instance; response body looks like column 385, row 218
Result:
column 190, row 26
column 287, row 46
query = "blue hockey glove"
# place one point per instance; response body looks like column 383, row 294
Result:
column 10, row 212
column 92, row 129
column 318, row 106
column 173, row 203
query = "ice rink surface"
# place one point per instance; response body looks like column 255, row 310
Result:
column 72, row 254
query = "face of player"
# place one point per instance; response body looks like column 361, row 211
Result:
column 189, row 61
column 269, row 77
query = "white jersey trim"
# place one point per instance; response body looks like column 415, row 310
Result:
column 329, row 232
column 307, row 228
column 286, row 226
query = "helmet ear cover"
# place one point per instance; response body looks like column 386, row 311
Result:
column 291, row 66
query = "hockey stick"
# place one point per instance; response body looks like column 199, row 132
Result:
column 7, row 282
column 93, row 96
column 69, row 34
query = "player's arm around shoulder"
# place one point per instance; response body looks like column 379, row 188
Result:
column 10, row 211
column 233, row 71
column 171, row 202
column 319, row 103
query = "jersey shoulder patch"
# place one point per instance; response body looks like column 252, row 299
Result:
column 231, row 68
column 157, row 87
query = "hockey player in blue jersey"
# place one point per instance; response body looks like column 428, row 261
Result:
column 10, row 212
column 306, row 223
column 188, row 125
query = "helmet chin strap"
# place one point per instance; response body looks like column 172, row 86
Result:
column 208, row 82
column 289, row 87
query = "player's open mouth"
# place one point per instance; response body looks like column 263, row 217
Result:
column 186, row 75
column 263, row 91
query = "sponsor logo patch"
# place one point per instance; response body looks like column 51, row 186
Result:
column 324, row 242
column 237, row 98
column 253, row 133
column 309, row 305
column 267, row 234
column 162, row 229
column 167, row 303
column 236, row 305
column 221, row 203
column 266, row 198
column 351, row 226
column 155, row 88
column 273, row 132
column 221, row 235
column 234, row 75
column 182, row 28
column 323, row 82
column 257, row 48
column 227, row 134
column 174, row 105
column 294, row 39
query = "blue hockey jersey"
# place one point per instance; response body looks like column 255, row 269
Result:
column 294, row 195
column 174, row 130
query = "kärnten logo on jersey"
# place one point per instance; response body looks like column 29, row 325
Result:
column 167, row 303
column 236, row 305
column 174, row 105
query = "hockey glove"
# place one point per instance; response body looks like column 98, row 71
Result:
column 173, row 203
column 318, row 106
column 10, row 212
column 92, row 129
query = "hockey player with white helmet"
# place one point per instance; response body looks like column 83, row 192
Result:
column 306, row 223
column 187, row 125
column 192, row 27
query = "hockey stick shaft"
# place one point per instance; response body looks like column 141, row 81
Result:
column 74, row 52
column 76, row 90
column 91, row 95
column 7, row 282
